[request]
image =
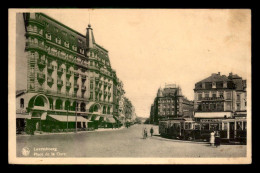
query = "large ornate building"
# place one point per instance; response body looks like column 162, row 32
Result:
column 170, row 103
column 67, row 74
column 220, row 96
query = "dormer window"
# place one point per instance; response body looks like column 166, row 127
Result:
column 80, row 41
column 48, row 36
column 81, row 51
column 58, row 40
column 66, row 44
column 74, row 48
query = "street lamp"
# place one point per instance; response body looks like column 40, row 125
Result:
column 67, row 118
column 76, row 118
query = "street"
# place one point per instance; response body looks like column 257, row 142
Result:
column 127, row 142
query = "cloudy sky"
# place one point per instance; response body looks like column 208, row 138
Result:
column 149, row 48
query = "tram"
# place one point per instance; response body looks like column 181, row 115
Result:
column 231, row 130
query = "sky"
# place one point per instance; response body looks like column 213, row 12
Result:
column 151, row 47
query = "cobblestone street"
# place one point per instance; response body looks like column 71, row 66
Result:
column 127, row 142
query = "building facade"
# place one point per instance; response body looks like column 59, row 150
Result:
column 69, row 76
column 170, row 103
column 220, row 103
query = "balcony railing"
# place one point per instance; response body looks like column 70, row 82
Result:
column 76, row 86
column 83, row 87
column 50, row 68
column 68, row 84
column 68, row 73
column 212, row 98
column 59, row 82
column 41, row 63
column 60, row 70
column 76, row 74
column 41, row 76
column 35, row 45
column 83, row 76
column 50, row 80
column 105, row 92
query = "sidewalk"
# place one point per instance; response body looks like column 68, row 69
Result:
column 97, row 130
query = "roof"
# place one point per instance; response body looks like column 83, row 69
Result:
column 215, row 78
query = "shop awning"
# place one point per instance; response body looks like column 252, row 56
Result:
column 23, row 116
column 64, row 118
column 110, row 120
column 212, row 114
column 97, row 118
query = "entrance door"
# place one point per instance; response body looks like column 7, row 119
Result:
column 232, row 130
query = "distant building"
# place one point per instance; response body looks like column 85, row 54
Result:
column 220, row 96
column 170, row 103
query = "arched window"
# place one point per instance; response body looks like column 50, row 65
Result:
column 21, row 103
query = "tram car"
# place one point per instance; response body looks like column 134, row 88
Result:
column 179, row 129
column 231, row 130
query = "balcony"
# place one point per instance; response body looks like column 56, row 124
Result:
column 105, row 92
column 68, row 73
column 83, row 88
column 97, row 79
column 60, row 71
column 76, row 86
column 50, row 68
column 41, row 76
column 59, row 82
column 83, row 76
column 76, row 74
column 109, row 94
column 96, row 89
column 41, row 63
column 68, row 85
column 35, row 46
column 50, row 80
column 212, row 99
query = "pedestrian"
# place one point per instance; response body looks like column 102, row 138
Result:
column 217, row 139
column 144, row 133
column 212, row 138
column 151, row 131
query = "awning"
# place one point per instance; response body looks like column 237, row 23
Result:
column 64, row 118
column 110, row 120
column 212, row 114
column 97, row 118
column 23, row 116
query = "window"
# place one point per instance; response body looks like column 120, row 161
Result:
column 81, row 51
column 66, row 44
column 21, row 103
column 80, row 41
column 214, row 95
column 74, row 48
column 228, row 106
column 238, row 106
column 219, row 84
column 48, row 36
column 206, row 94
column 221, row 95
column 199, row 96
column 238, row 97
column 228, row 95
column 58, row 40
column 208, row 85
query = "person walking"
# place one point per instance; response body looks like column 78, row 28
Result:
column 144, row 133
column 151, row 131
column 217, row 139
column 212, row 138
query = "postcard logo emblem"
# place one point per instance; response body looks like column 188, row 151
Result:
column 25, row 151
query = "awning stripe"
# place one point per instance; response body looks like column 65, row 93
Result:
column 64, row 118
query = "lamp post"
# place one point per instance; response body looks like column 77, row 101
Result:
column 76, row 117
column 67, row 118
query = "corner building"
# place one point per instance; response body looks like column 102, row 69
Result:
column 68, row 74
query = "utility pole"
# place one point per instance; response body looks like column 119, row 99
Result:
column 76, row 118
column 67, row 118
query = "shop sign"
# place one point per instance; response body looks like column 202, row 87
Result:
column 210, row 120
